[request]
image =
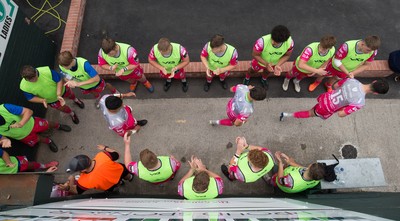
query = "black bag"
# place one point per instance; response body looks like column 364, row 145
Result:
column 330, row 174
column 394, row 61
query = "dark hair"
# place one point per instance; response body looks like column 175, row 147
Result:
column 163, row 44
column 317, row 171
column 380, row 86
column 373, row 42
column 108, row 45
column 280, row 33
column 201, row 181
column 2, row 120
column 216, row 41
column 258, row 93
column 28, row 72
column 65, row 58
column 148, row 159
column 113, row 102
column 328, row 41
column 258, row 158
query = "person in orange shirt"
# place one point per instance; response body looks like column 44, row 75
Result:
column 101, row 173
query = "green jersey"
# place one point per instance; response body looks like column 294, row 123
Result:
column 15, row 133
column 159, row 175
column 293, row 181
column 249, row 175
column 353, row 59
column 272, row 54
column 172, row 60
column 121, row 60
column 215, row 61
column 79, row 74
column 315, row 59
column 190, row 194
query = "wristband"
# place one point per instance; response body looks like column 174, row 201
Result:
column 105, row 148
column 110, row 68
column 125, row 68
column 236, row 155
column 247, row 147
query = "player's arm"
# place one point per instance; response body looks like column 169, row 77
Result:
column 26, row 115
column 153, row 61
column 103, row 63
column 127, row 155
column 185, row 59
column 6, row 157
column 5, row 142
column 238, row 123
column 347, row 110
column 94, row 77
column 257, row 55
column 284, row 58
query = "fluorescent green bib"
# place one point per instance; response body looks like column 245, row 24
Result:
column 249, row 175
column 272, row 54
column 353, row 59
column 15, row 133
column 9, row 170
column 80, row 74
column 215, row 61
column 169, row 62
column 121, row 60
column 316, row 59
column 189, row 193
column 44, row 87
column 156, row 176
column 299, row 184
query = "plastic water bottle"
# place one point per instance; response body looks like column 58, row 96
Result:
column 338, row 171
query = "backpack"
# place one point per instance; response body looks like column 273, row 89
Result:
column 394, row 61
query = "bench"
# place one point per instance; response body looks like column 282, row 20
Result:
column 379, row 68
column 356, row 173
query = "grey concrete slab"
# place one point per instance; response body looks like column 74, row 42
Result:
column 180, row 127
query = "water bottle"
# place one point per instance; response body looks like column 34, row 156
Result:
column 339, row 180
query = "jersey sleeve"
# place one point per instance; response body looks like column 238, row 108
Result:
column 236, row 172
column 291, row 47
column 259, row 45
column 55, row 76
column 306, row 54
column 370, row 59
column 100, row 60
column 133, row 168
column 133, row 56
column 341, row 82
column 341, row 52
column 151, row 55
column 234, row 59
column 1, row 150
column 28, row 96
column 180, row 188
column 175, row 164
column 351, row 109
column 183, row 52
column 14, row 109
column 89, row 69
column 220, row 184
column 204, row 52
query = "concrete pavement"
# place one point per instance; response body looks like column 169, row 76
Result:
column 180, row 127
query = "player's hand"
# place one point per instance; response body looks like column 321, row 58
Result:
column 63, row 186
column 71, row 84
column 52, row 169
column 119, row 73
column 100, row 146
column 61, row 99
column 287, row 159
column 127, row 138
column 351, row 75
column 172, row 72
column 321, row 72
column 277, row 70
column 16, row 125
column 130, row 94
column 192, row 163
column 200, row 165
column 44, row 102
column 269, row 68
column 164, row 71
column 114, row 67
column 5, row 142
column 208, row 72
column 250, row 87
column 10, row 165
column 278, row 156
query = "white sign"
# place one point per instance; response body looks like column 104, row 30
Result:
column 8, row 12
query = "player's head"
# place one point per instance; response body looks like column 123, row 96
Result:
column 317, row 171
column 217, row 41
column 201, row 182
column 148, row 159
column 327, row 42
column 65, row 59
column 380, row 86
column 113, row 103
column 370, row 43
column 29, row 73
column 258, row 158
column 164, row 46
column 258, row 93
column 280, row 34
column 79, row 163
column 109, row 46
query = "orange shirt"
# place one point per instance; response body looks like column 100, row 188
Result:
column 105, row 174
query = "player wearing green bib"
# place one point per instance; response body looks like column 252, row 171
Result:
column 77, row 72
column 270, row 52
column 122, row 59
column 17, row 122
column 296, row 178
column 199, row 183
column 150, row 168
column 312, row 61
column 219, row 59
column 250, row 166
column 12, row 165
column 45, row 86
column 170, row 59
column 352, row 58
